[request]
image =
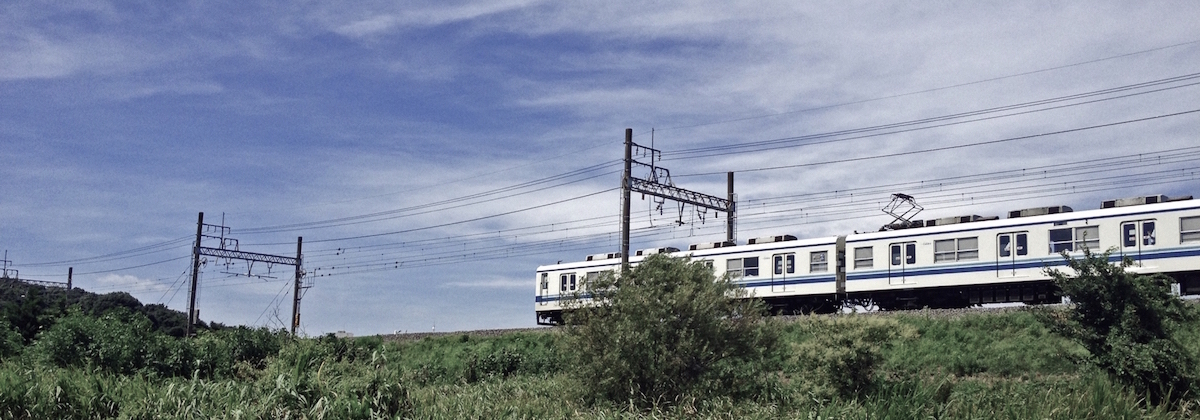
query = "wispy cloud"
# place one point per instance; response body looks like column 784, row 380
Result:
column 121, row 122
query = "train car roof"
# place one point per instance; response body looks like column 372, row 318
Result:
column 1130, row 211
column 696, row 254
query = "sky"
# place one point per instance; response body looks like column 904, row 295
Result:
column 432, row 154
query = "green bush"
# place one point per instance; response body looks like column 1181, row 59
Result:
column 11, row 342
column 227, row 352
column 668, row 331
column 841, row 354
column 1009, row 344
column 1130, row 325
column 119, row 342
column 305, row 380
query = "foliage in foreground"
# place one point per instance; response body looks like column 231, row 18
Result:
column 302, row 384
column 1017, row 371
column 1129, row 324
column 668, row 331
column 916, row 365
column 31, row 309
column 841, row 357
column 124, row 342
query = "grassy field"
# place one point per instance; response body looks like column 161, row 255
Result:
column 1004, row 365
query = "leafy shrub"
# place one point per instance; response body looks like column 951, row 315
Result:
column 220, row 353
column 667, row 331
column 1129, row 323
column 841, row 355
column 499, row 364
column 118, row 342
column 1008, row 344
column 11, row 341
column 305, row 380
column 26, row 310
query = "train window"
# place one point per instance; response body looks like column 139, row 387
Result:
column 1131, row 236
column 566, row 280
column 910, row 250
column 1087, row 237
column 961, row 249
column 818, row 261
column 864, row 257
column 1006, row 244
column 741, row 267
column 943, row 250
column 785, row 263
column 1070, row 239
column 1189, row 229
column 1148, row 234
column 1060, row 240
column 591, row 278
column 545, row 281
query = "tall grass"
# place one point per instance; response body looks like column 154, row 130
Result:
column 975, row 366
column 1014, row 344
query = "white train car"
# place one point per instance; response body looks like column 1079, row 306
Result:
column 950, row 262
column 1004, row 260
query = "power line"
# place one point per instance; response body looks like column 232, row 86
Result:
column 900, row 95
column 476, row 219
column 148, row 249
column 395, row 213
column 133, row 267
column 796, row 141
column 944, row 148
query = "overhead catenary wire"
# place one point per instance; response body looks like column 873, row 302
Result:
column 952, row 147
column 380, row 216
column 429, row 207
column 744, row 147
column 746, row 219
column 459, row 222
column 353, row 239
column 1007, row 192
column 833, row 137
column 936, row 89
column 145, row 250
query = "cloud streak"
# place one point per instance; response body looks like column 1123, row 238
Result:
column 122, row 122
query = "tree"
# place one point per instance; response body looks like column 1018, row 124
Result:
column 666, row 331
column 1129, row 323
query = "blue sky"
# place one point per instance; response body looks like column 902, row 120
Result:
column 398, row 138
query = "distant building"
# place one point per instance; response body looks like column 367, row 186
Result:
column 343, row 334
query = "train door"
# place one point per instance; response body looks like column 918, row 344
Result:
column 543, row 289
column 1136, row 236
column 783, row 267
column 1009, row 246
column 903, row 255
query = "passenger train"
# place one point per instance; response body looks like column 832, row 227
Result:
column 942, row 263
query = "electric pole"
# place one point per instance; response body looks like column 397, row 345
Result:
column 296, row 291
column 626, row 186
column 659, row 184
column 195, row 277
column 228, row 250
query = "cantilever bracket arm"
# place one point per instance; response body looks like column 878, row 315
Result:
column 681, row 195
column 250, row 256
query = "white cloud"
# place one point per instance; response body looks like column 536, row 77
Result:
column 144, row 286
column 489, row 282
column 123, row 126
